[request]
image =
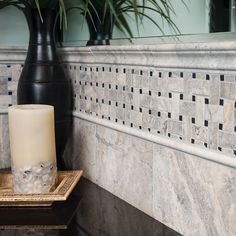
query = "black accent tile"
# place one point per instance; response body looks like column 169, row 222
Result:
column 170, row 95
column 132, row 89
column 180, row 138
column 9, row 105
column 220, row 126
column 109, row 69
column 235, row 105
column 103, row 69
column 140, row 109
column 116, row 120
column 207, row 77
column 169, row 115
column 160, row 74
column 9, row 78
column 159, row 113
column 234, row 128
column 123, row 105
column 85, row 98
column 116, row 87
column 132, row 107
column 132, row 71
column 85, row 83
column 124, row 70
column 206, row 100
column 96, row 100
column 80, row 68
column 181, row 96
column 102, row 100
column 140, row 91
column 159, row 94
column 194, row 98
column 220, row 149
column 103, row 85
column 158, row 132
column 194, row 75
column 102, row 116
column 74, row 67
column 109, row 86
column 205, row 144
column 97, row 69
column 85, row 68
column 222, row 77
column 150, row 112
column 234, row 152
column 169, row 135
column 170, row 74
column 150, row 93
column 181, row 74
column 10, row 93
column 97, row 84
column 192, row 140
column 149, row 130
column 116, row 104
column 123, row 88
column 91, row 99
column 193, row 120
column 141, row 72
column 117, row 70
column 109, row 102
column 123, row 122
column 131, row 125
column 91, row 68
column 206, row 123
column 109, row 118
column 221, row 102
column 140, row 127
column 151, row 73
column 91, row 84
column 8, row 66
column 180, row 118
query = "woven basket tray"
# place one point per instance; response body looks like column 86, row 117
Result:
column 65, row 184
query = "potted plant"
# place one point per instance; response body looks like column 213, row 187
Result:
column 105, row 14
column 43, row 80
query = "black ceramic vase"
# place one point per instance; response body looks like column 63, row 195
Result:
column 43, row 80
column 100, row 33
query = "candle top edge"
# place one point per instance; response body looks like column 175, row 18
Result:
column 31, row 107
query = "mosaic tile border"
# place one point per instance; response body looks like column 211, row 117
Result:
column 194, row 107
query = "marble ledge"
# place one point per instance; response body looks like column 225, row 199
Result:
column 179, row 55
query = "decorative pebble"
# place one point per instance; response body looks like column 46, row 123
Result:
column 34, row 179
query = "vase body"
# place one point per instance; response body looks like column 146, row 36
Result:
column 43, row 80
column 100, row 33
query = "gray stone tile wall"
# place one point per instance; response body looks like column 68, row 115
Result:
column 191, row 195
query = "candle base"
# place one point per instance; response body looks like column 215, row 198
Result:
column 34, row 179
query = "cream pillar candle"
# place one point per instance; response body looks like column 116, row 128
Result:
column 32, row 144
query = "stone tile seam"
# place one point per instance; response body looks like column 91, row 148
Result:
column 183, row 147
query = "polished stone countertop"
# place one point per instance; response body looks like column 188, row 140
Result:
column 90, row 210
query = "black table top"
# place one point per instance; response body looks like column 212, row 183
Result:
column 90, row 210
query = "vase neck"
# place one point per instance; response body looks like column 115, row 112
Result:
column 41, row 30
